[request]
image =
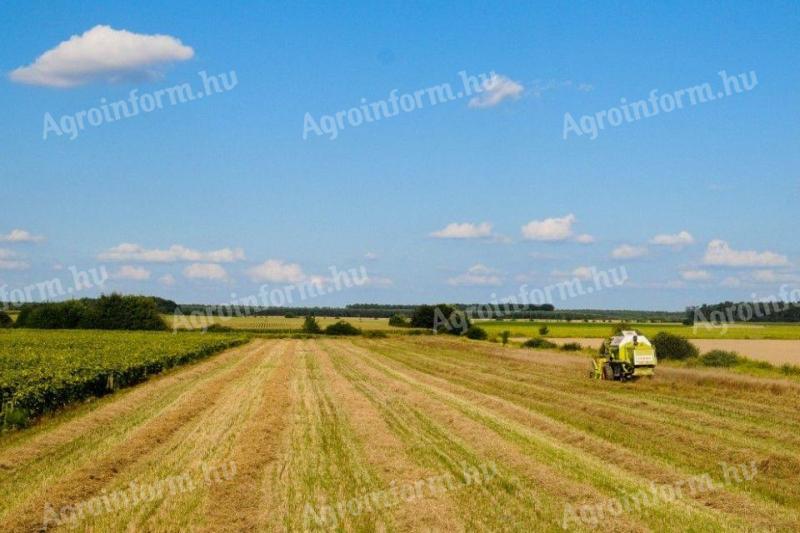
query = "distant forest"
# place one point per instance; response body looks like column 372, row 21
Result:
column 779, row 311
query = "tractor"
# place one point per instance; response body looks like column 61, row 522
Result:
column 624, row 357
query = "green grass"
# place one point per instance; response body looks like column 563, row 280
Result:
column 525, row 328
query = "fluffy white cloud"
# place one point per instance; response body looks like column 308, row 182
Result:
column 9, row 261
column 719, row 253
column 102, row 54
column 167, row 280
column 584, row 238
column 465, row 230
column 549, row 229
column 277, row 271
column 211, row 271
column 684, row 238
column 131, row 272
column 583, row 272
column 695, row 275
column 477, row 275
column 378, row 282
column 20, row 235
column 175, row 253
column 496, row 89
column 627, row 251
column 770, row 276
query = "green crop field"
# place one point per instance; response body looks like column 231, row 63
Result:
column 525, row 328
column 41, row 370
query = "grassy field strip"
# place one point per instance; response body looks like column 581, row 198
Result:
column 738, row 402
column 569, row 461
column 324, row 463
column 207, row 438
column 75, row 438
column 91, row 476
column 783, row 465
column 451, row 439
column 388, row 455
column 652, row 415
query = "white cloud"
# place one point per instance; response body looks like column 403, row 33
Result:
column 770, row 276
column 102, row 54
column 719, row 253
column 211, row 271
column 496, row 89
column 131, row 272
column 695, row 275
column 20, row 235
column 465, row 230
column 9, row 261
column 168, row 280
column 583, row 272
column 477, row 275
column 549, row 229
column 684, row 238
column 627, row 251
column 731, row 281
column 370, row 256
column 584, row 238
column 378, row 282
column 277, row 271
column 175, row 253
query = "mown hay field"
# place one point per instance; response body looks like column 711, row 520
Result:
column 275, row 323
column 411, row 434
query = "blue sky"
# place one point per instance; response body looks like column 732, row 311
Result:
column 233, row 173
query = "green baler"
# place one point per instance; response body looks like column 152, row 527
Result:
column 628, row 355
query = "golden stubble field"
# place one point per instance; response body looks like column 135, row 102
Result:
column 411, row 434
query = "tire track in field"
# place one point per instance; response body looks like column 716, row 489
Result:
column 243, row 504
column 566, row 463
column 387, row 454
column 632, row 432
column 206, row 440
column 323, row 462
column 88, row 479
column 443, row 439
column 736, row 503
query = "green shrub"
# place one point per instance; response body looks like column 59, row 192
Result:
column 571, row 347
column 342, row 328
column 504, row 335
column 476, row 333
column 310, row 325
column 107, row 312
column 442, row 318
column 5, row 320
column 720, row 358
column 544, row 330
column 669, row 346
column 218, row 328
column 538, row 342
column 399, row 321
column 375, row 334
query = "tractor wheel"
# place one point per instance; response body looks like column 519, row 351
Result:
column 608, row 372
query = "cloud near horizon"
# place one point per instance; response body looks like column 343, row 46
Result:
column 477, row 276
column 131, row 273
column 103, row 54
column 173, row 254
column 719, row 253
column 207, row 271
column 277, row 271
column 549, row 229
column 464, row 230
column 20, row 235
